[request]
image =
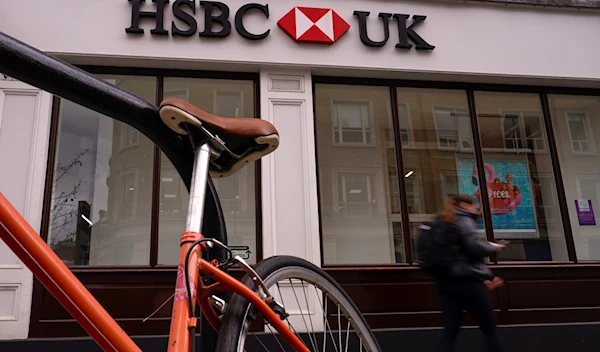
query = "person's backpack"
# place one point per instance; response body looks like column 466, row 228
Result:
column 436, row 247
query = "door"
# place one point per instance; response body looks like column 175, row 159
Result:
column 24, row 131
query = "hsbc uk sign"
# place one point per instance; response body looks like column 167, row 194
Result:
column 301, row 24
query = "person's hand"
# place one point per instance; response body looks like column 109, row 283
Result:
column 497, row 246
column 495, row 283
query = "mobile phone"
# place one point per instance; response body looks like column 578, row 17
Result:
column 503, row 242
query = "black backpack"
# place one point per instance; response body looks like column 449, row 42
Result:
column 437, row 247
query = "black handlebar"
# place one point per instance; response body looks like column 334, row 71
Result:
column 32, row 66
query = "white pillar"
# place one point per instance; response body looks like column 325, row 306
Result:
column 24, row 128
column 289, row 177
column 289, row 185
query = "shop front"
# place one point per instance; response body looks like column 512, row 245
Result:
column 384, row 108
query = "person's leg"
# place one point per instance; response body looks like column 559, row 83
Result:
column 479, row 306
column 452, row 313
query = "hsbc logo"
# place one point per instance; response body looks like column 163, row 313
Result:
column 313, row 25
column 301, row 24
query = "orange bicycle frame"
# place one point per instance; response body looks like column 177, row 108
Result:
column 47, row 267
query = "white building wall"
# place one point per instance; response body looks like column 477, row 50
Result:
column 24, row 131
column 470, row 41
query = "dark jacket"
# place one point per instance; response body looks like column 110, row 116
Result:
column 470, row 249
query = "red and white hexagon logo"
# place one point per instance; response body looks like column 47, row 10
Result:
column 313, row 25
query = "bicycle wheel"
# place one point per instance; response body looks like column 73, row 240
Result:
column 302, row 282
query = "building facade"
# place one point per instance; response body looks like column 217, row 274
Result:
column 384, row 108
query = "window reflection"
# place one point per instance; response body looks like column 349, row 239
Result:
column 443, row 141
column 360, row 200
column 101, row 202
column 576, row 122
column 519, row 177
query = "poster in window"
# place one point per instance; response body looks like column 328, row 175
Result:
column 509, row 192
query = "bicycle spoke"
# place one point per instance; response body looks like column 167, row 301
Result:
column 287, row 318
column 259, row 341
column 303, row 319
column 348, row 335
column 275, row 337
column 339, row 326
column 331, row 330
column 310, row 316
column 324, row 318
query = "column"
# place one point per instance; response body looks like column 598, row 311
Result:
column 289, row 182
column 289, row 176
column 24, row 128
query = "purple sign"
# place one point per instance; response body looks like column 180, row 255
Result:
column 585, row 212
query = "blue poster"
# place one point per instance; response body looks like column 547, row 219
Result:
column 509, row 193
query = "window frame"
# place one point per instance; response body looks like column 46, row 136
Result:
column 124, row 133
column 454, row 115
column 222, row 90
column 376, row 194
column 411, row 137
column 370, row 119
column 159, row 75
column 548, row 120
column 521, row 124
column 122, row 175
column 588, row 131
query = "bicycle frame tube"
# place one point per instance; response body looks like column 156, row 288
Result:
column 179, row 337
column 29, row 247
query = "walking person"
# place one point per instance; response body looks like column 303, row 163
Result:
column 462, row 277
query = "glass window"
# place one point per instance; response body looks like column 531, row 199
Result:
column 227, row 98
column 360, row 202
column 519, row 177
column 576, row 123
column 101, row 200
column 441, row 164
column 351, row 122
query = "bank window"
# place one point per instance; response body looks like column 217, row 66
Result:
column 128, row 189
column 453, row 128
column 523, row 130
column 575, row 120
column 129, row 136
column 516, row 175
column 545, row 188
column 352, row 123
column 356, row 193
column 183, row 94
column 228, row 103
column 580, row 133
column 229, row 190
column 171, row 190
column 100, row 213
column 449, row 183
column 358, row 187
column 588, row 187
column 414, row 194
column 406, row 135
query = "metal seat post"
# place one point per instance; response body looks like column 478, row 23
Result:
column 198, row 189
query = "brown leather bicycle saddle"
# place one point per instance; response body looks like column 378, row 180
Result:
column 248, row 138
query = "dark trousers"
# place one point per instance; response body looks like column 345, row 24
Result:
column 458, row 295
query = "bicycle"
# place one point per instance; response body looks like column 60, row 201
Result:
column 221, row 147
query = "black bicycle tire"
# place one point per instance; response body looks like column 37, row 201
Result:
column 232, row 323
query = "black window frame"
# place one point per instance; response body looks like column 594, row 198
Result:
column 159, row 75
column 469, row 89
